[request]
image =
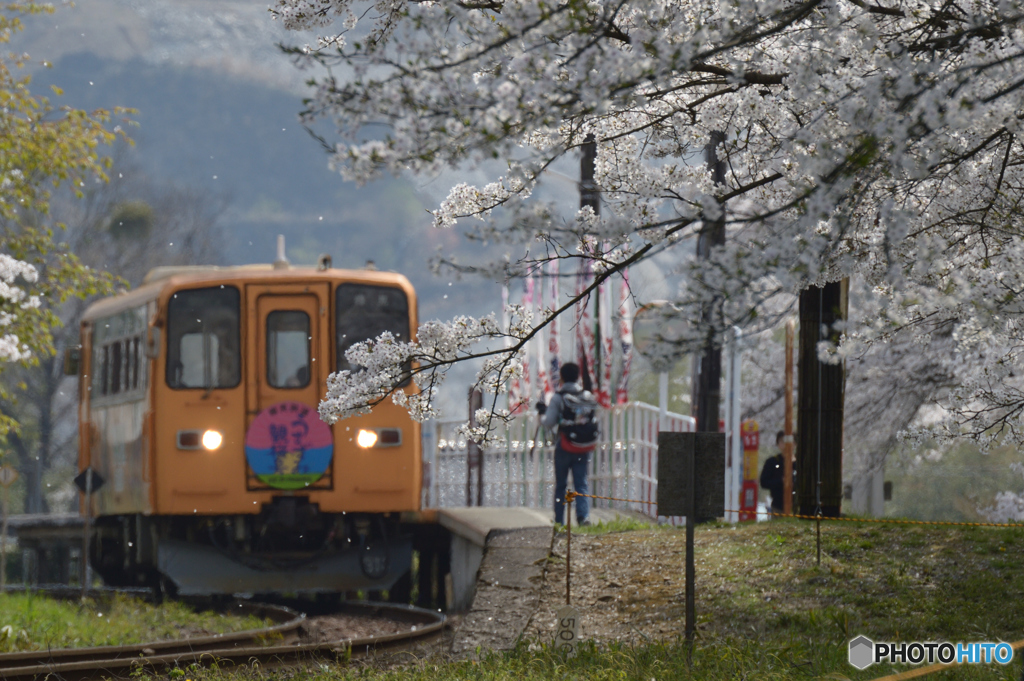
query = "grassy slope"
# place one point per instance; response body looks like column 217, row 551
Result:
column 765, row 610
column 33, row 622
column 761, row 595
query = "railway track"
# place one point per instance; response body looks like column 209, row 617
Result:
column 275, row 645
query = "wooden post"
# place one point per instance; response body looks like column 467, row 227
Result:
column 787, row 442
column 568, row 544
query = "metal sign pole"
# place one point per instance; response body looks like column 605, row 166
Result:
column 691, row 514
column 88, row 481
column 735, row 428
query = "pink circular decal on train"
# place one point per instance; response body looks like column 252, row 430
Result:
column 288, row 446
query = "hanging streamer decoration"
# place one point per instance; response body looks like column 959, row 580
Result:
column 625, row 333
column 527, row 394
column 604, row 393
column 555, row 363
column 584, row 328
column 515, row 390
column 543, row 379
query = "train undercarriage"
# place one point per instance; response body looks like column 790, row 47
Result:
column 289, row 547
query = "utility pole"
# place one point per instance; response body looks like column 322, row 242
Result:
column 820, row 395
column 707, row 367
column 590, row 196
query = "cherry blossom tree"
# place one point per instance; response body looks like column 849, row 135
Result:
column 872, row 139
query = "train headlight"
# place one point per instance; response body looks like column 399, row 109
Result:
column 366, row 438
column 379, row 438
column 212, row 440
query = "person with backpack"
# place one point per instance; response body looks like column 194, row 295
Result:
column 574, row 411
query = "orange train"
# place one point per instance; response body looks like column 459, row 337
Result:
column 198, row 417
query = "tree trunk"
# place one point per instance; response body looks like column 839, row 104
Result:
column 706, row 380
column 590, row 196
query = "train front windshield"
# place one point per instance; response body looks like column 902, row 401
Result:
column 203, row 339
column 364, row 312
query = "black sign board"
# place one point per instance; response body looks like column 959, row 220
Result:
column 691, row 482
column 82, row 481
column 675, row 452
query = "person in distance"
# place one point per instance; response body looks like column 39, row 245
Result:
column 574, row 411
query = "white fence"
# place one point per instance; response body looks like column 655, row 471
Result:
column 624, row 465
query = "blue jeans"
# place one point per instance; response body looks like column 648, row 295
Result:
column 578, row 463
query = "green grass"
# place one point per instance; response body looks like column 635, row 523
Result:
column 659, row 660
column 33, row 622
column 765, row 609
column 621, row 523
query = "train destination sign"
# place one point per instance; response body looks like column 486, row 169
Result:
column 288, row 446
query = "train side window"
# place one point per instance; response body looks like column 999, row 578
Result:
column 119, row 364
column 288, row 349
column 203, row 338
column 116, row 365
column 105, row 371
column 363, row 312
column 135, row 362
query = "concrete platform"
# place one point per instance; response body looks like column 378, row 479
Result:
column 476, row 522
column 507, row 590
column 498, row 557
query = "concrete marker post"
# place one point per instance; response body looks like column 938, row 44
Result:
column 567, row 630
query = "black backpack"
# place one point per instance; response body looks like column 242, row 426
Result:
column 578, row 421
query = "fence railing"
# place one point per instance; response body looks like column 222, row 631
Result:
column 624, row 465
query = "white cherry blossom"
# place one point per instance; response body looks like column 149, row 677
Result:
column 873, row 139
column 14, row 299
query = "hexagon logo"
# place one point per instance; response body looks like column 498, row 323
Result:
column 862, row 652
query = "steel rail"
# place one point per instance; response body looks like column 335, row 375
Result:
column 73, row 664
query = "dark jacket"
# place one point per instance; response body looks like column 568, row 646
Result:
column 772, row 479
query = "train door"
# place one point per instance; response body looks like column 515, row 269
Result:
column 287, row 378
